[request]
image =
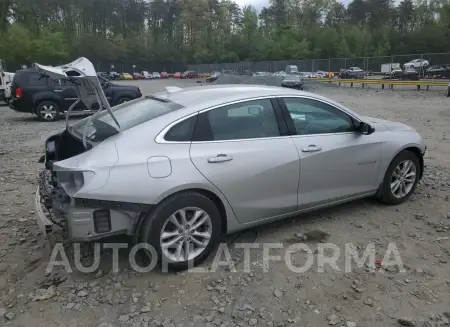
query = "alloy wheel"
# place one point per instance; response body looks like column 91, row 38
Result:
column 403, row 178
column 48, row 112
column 186, row 234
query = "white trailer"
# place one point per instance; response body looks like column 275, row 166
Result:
column 388, row 68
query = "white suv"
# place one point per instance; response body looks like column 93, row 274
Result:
column 416, row 63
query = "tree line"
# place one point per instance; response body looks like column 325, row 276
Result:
column 214, row 31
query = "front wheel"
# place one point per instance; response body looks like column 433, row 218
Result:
column 401, row 178
column 183, row 230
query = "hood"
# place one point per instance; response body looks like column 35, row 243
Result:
column 82, row 74
column 390, row 125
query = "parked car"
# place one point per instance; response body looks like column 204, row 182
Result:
column 416, row 63
column 352, row 72
column 259, row 74
column 247, row 72
column 109, row 75
column 126, row 76
column 321, row 74
column 307, row 74
column 164, row 75
column 294, row 81
column 214, row 76
column 175, row 177
column 105, row 75
column 47, row 99
column 230, row 72
column 189, row 74
column 280, row 74
column 410, row 73
column 177, row 75
column 146, row 74
column 115, row 75
column 138, row 76
column 438, row 71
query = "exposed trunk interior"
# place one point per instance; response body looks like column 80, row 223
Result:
column 66, row 146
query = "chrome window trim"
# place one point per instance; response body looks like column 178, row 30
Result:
column 160, row 137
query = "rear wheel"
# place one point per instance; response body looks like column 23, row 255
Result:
column 183, row 230
column 401, row 178
column 47, row 111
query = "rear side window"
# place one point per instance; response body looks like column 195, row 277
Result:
column 245, row 120
column 182, row 132
column 37, row 80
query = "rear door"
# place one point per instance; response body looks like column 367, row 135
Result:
column 244, row 150
column 336, row 161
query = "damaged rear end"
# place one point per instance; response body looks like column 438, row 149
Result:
column 64, row 209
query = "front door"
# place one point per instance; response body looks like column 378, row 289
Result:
column 239, row 149
column 67, row 93
column 336, row 161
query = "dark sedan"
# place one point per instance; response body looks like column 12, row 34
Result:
column 294, row 81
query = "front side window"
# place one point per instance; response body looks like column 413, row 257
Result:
column 244, row 120
column 315, row 117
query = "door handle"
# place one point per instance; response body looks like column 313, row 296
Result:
column 58, row 91
column 220, row 158
column 312, row 148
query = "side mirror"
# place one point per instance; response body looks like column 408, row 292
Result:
column 365, row 128
column 105, row 85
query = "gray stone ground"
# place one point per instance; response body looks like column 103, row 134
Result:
column 364, row 297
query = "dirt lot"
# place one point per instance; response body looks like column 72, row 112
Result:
column 363, row 297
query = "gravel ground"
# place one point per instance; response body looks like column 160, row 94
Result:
column 364, row 297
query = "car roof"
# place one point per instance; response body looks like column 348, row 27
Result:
column 213, row 95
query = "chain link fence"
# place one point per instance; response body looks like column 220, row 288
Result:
column 119, row 67
column 329, row 65
column 310, row 65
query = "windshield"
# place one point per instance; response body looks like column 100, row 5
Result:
column 128, row 115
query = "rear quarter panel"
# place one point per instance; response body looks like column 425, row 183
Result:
column 129, row 179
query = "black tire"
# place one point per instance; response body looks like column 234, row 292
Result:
column 385, row 193
column 123, row 100
column 47, row 111
column 448, row 92
column 154, row 222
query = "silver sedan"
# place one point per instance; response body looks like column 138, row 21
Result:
column 189, row 165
